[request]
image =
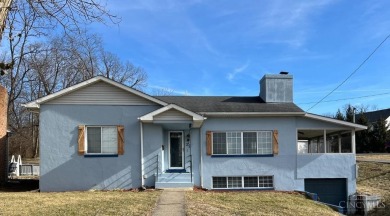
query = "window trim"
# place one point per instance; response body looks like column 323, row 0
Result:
column 257, row 154
column 86, row 154
column 243, row 183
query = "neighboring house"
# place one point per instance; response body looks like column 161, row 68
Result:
column 100, row 134
column 375, row 116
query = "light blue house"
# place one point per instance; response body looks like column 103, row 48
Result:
column 100, row 134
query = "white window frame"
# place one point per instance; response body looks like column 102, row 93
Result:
column 243, row 183
column 242, row 142
column 101, row 138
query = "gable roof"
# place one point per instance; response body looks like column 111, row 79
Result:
column 230, row 104
column 374, row 116
column 149, row 116
column 36, row 103
column 196, row 118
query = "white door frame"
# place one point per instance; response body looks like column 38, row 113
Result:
column 169, row 149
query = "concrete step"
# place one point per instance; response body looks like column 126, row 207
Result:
column 174, row 177
column 162, row 185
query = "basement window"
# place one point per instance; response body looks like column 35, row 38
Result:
column 243, row 182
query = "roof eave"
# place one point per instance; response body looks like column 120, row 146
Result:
column 357, row 127
column 253, row 113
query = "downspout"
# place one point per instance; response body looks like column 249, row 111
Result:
column 201, row 156
column 142, row 154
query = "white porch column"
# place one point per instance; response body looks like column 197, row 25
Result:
column 353, row 142
column 339, row 140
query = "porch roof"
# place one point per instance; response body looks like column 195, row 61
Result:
column 179, row 115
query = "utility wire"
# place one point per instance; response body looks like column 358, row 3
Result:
column 372, row 53
column 341, row 99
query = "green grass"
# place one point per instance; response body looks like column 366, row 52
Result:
column 374, row 178
column 78, row 203
column 252, row 203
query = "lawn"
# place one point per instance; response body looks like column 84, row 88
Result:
column 374, row 156
column 252, row 203
column 78, row 203
column 374, row 178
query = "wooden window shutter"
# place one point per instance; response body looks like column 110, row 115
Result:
column 121, row 139
column 275, row 142
column 208, row 143
column 81, row 140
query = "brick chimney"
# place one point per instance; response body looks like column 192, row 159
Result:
column 277, row 88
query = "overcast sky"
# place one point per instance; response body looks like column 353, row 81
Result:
column 224, row 47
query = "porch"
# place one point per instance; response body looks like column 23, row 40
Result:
column 169, row 139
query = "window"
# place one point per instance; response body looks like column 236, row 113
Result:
column 243, row 182
column 233, row 142
column 250, row 182
column 236, row 143
column 250, row 142
column 234, row 182
column 265, row 142
column 102, row 140
column 324, row 141
column 219, row 182
column 219, row 143
column 265, row 181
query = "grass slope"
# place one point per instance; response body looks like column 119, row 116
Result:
column 78, row 203
column 252, row 203
column 374, row 178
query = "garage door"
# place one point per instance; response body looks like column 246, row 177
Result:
column 331, row 191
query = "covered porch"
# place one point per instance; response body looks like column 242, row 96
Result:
column 170, row 147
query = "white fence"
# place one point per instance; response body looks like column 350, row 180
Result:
column 29, row 169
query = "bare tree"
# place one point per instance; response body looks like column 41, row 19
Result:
column 112, row 67
column 49, row 66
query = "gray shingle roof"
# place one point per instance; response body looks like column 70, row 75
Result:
column 228, row 104
column 375, row 116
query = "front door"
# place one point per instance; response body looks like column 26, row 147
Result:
column 176, row 150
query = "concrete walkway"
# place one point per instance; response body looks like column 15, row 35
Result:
column 170, row 203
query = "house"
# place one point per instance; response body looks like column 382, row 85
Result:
column 100, row 134
column 374, row 116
